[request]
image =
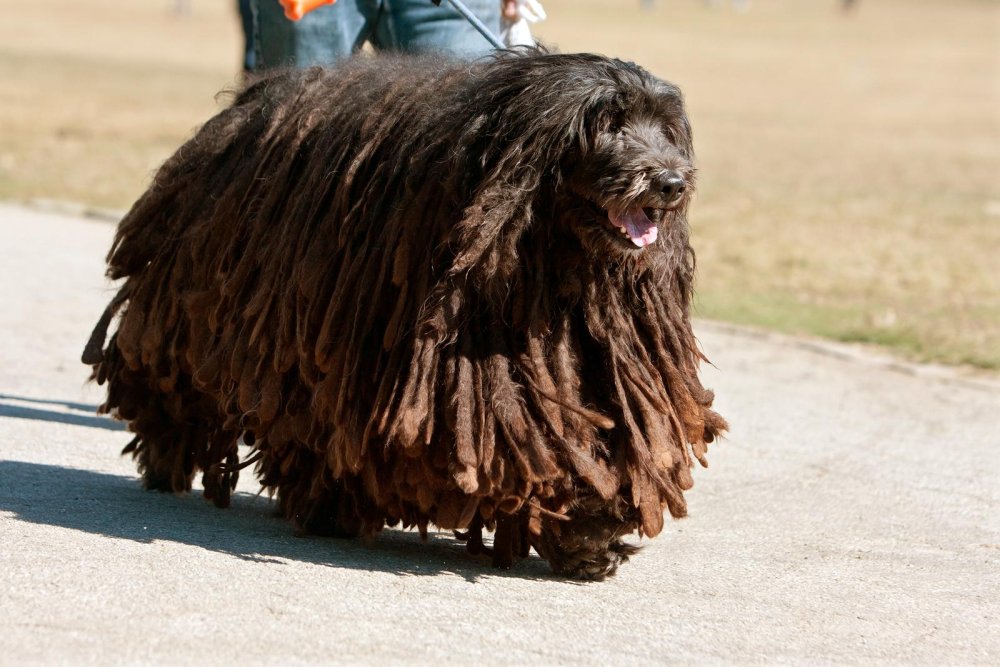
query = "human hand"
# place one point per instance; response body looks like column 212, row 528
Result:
column 530, row 10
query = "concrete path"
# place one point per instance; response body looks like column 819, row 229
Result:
column 852, row 517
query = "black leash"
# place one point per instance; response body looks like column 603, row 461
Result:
column 476, row 23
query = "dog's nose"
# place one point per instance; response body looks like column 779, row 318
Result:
column 670, row 184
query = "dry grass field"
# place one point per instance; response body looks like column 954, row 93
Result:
column 849, row 164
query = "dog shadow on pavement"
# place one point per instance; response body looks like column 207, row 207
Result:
column 118, row 507
column 74, row 414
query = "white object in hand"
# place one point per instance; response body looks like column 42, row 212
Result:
column 518, row 31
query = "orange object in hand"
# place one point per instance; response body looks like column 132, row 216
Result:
column 296, row 9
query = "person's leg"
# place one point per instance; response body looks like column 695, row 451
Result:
column 419, row 26
column 321, row 37
column 246, row 22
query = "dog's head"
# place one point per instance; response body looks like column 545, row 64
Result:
column 572, row 146
column 631, row 184
column 628, row 180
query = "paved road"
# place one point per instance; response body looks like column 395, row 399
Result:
column 853, row 516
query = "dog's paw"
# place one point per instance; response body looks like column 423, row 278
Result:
column 598, row 565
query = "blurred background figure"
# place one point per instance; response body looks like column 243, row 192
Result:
column 180, row 7
column 738, row 5
column 332, row 32
column 848, row 5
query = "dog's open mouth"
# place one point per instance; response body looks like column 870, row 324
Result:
column 633, row 228
column 637, row 225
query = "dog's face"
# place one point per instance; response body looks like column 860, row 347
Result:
column 630, row 184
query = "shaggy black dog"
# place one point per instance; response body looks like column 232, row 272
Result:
column 424, row 291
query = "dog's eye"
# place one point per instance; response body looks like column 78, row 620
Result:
column 677, row 132
column 609, row 123
column 613, row 137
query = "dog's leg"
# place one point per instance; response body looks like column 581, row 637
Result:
column 307, row 493
column 510, row 542
column 177, row 432
column 332, row 514
column 473, row 538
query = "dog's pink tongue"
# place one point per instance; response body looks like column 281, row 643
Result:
column 640, row 229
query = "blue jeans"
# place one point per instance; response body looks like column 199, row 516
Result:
column 332, row 32
column 246, row 22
